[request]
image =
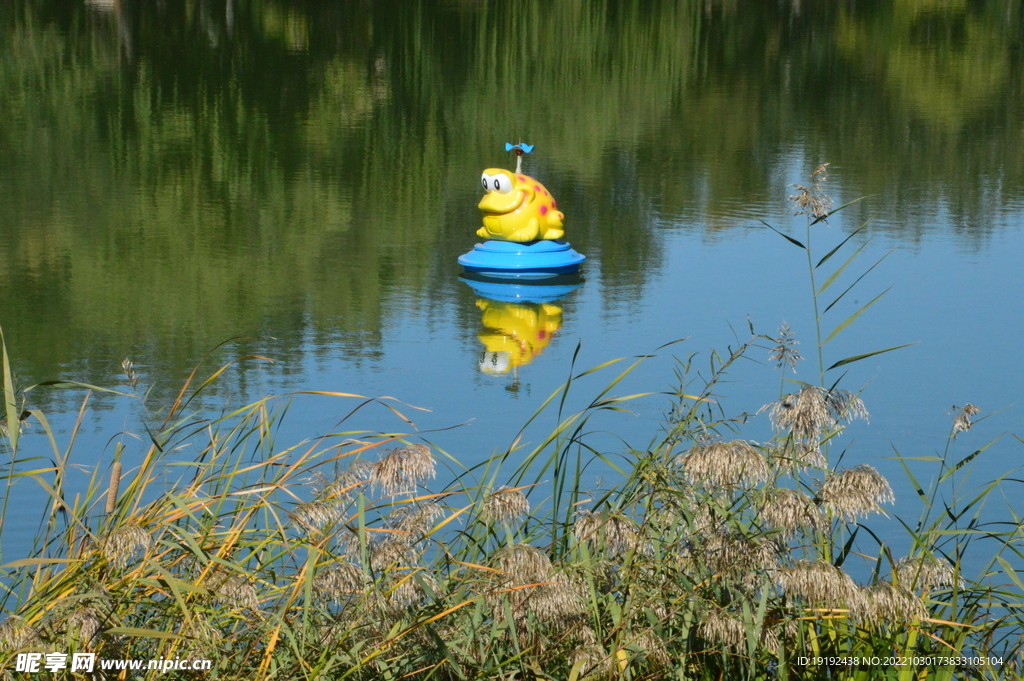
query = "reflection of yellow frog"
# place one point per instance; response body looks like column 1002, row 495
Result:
column 517, row 208
column 515, row 333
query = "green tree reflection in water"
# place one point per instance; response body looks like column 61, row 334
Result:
column 177, row 173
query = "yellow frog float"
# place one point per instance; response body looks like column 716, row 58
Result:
column 522, row 228
column 518, row 208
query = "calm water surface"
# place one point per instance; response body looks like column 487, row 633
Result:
column 179, row 173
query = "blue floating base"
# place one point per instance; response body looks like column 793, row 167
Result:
column 514, row 260
column 521, row 290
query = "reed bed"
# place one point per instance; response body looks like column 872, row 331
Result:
column 712, row 556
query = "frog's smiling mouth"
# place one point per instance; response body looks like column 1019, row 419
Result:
column 496, row 203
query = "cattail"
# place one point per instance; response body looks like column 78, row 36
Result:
column 789, row 510
column 505, row 505
column 123, row 542
column 115, row 482
column 725, row 464
column 812, row 411
column 855, row 492
column 963, row 423
column 784, row 354
column 401, row 469
column 818, row 582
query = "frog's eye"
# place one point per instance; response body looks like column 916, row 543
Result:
column 485, row 181
column 501, row 183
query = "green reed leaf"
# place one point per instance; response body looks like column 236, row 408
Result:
column 13, row 420
column 960, row 464
column 832, row 277
column 784, row 236
column 967, row 459
column 857, row 358
column 76, row 384
column 1010, row 572
column 577, row 668
column 849, row 320
column 847, row 547
column 26, row 562
column 856, row 281
column 841, row 244
column 906, row 469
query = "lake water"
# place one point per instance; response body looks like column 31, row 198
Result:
column 178, row 173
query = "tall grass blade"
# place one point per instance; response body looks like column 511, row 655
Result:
column 842, row 268
column 78, row 384
column 784, row 236
column 855, row 282
column 849, row 320
column 1010, row 572
column 857, row 358
column 841, row 244
column 10, row 401
column 966, row 460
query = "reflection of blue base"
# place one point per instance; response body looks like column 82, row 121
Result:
column 523, row 290
column 534, row 260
